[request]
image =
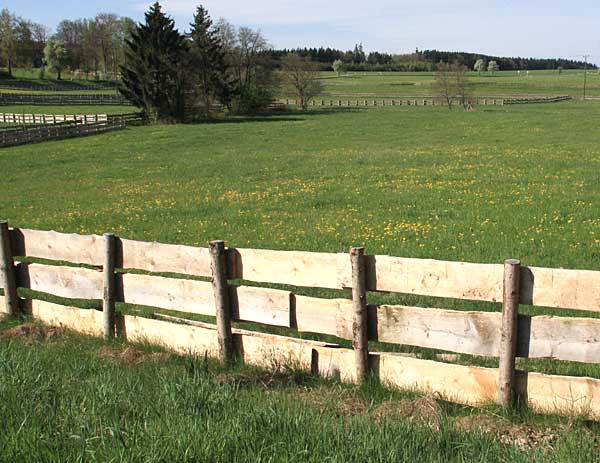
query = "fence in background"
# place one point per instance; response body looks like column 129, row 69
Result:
column 422, row 101
column 43, row 119
column 16, row 84
column 63, row 99
column 36, row 133
column 505, row 335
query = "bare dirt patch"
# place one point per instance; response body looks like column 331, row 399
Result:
column 30, row 333
column 131, row 355
column 524, row 436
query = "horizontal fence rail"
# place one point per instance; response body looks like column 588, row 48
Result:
column 16, row 84
column 42, row 119
column 50, row 99
column 421, row 101
column 563, row 338
column 25, row 134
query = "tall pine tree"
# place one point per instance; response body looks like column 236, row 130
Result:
column 153, row 75
column 209, row 63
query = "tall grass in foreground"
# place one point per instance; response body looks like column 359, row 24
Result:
column 62, row 401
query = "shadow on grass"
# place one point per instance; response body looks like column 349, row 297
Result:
column 288, row 115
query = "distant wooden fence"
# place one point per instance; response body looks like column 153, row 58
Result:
column 25, row 134
column 506, row 335
column 63, row 99
column 16, row 84
column 421, row 101
column 42, row 119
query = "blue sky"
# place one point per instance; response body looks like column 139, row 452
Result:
column 549, row 28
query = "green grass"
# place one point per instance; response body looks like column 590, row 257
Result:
column 477, row 186
column 502, row 83
column 63, row 401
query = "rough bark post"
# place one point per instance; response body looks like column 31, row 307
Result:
column 508, row 340
column 360, row 340
column 222, row 306
column 108, row 299
column 7, row 269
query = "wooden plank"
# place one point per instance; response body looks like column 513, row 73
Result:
column 72, row 282
column 561, row 288
column 426, row 277
column 563, row 395
column 325, row 316
column 458, row 383
column 563, row 338
column 179, row 338
column 168, row 293
column 83, row 321
column 261, row 305
column 159, row 257
column 475, row 333
column 71, row 247
column 313, row 269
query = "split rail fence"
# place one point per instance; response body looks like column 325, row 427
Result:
column 50, row 99
column 505, row 335
column 43, row 119
column 78, row 127
column 423, row 101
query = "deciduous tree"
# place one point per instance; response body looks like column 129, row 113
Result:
column 55, row 55
column 301, row 76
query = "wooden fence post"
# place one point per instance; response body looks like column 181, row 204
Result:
column 223, row 309
column 7, row 269
column 508, row 340
column 360, row 339
column 108, row 298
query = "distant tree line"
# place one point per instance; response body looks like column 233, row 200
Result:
column 421, row 60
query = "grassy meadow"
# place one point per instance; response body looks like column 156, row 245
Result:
column 396, row 84
column 481, row 186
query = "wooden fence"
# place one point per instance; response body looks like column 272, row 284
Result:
column 15, row 84
column 422, row 101
column 505, row 334
column 42, row 119
column 62, row 99
column 25, row 134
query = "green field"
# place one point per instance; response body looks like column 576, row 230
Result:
column 481, row 186
column 391, row 84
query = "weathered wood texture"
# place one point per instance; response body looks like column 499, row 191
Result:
column 70, row 247
column 110, row 285
column 461, row 280
column 221, row 296
column 70, row 282
column 286, row 267
column 508, row 336
column 159, row 257
column 458, row 383
column 360, row 334
column 557, row 288
column 561, row 288
column 8, row 280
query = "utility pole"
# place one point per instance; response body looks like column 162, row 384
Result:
column 585, row 57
